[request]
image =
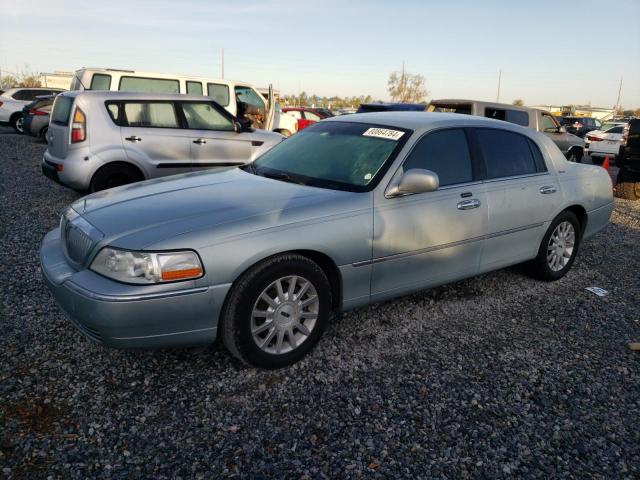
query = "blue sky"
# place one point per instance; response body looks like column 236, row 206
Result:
column 550, row 52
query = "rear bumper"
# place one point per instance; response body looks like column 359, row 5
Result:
column 169, row 318
column 72, row 171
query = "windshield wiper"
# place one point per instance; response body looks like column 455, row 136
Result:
column 285, row 177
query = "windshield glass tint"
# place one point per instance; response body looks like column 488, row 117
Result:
column 339, row 155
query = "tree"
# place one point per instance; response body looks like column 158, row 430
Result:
column 407, row 87
column 518, row 102
column 31, row 80
column 9, row 81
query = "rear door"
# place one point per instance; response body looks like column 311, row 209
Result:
column 521, row 195
column 213, row 137
column 153, row 138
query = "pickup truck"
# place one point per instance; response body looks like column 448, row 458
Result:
column 628, row 181
column 571, row 146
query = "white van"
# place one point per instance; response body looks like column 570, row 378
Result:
column 240, row 99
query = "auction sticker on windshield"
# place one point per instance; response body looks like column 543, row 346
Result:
column 383, row 133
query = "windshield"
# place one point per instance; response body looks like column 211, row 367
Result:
column 337, row 155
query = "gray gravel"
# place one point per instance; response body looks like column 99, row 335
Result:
column 494, row 377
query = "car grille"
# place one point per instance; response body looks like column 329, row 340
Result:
column 78, row 237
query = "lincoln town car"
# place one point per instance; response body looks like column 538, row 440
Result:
column 352, row 210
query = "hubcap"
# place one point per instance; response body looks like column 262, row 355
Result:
column 20, row 124
column 561, row 245
column 284, row 315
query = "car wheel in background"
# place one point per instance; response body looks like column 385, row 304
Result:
column 114, row 175
column 43, row 134
column 17, row 122
column 628, row 185
column 277, row 311
column 558, row 248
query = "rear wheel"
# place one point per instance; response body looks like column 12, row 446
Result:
column 17, row 122
column 558, row 248
column 114, row 175
column 43, row 134
column 628, row 185
column 277, row 311
column 574, row 156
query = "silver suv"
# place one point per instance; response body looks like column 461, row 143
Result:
column 99, row 139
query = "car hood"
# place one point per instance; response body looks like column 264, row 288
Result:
column 213, row 205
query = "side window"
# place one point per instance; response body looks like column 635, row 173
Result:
column 114, row 112
column 495, row 113
column 615, row 130
column 597, row 122
column 518, row 117
column 446, row 153
column 548, row 123
column 541, row 166
column 312, row 116
column 220, row 93
column 204, row 116
column 295, row 113
column 250, row 97
column 506, row 154
column 100, row 81
column 154, row 85
column 19, row 95
column 194, row 88
column 148, row 114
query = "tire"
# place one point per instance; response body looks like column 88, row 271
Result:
column 628, row 185
column 543, row 267
column 43, row 134
column 574, row 156
column 284, row 132
column 17, row 122
column 114, row 175
column 242, row 330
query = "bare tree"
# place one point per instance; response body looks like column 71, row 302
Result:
column 518, row 102
column 407, row 87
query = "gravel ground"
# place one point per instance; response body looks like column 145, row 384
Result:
column 499, row 376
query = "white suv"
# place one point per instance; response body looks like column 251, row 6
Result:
column 12, row 101
column 99, row 139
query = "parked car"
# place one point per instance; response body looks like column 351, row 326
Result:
column 305, row 116
column 36, row 116
column 352, row 210
column 99, row 139
column 605, row 143
column 580, row 126
column 604, row 127
column 391, row 107
column 14, row 99
column 240, row 99
column 540, row 120
column 628, row 179
column 323, row 112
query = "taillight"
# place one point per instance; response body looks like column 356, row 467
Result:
column 35, row 111
column 1, row 104
column 594, row 139
column 79, row 127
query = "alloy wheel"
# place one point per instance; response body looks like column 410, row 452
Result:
column 561, row 245
column 284, row 315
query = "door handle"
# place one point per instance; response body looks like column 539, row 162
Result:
column 468, row 204
column 133, row 138
column 200, row 141
column 547, row 189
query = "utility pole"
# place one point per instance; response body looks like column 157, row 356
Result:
column 222, row 64
column 499, row 79
column 619, row 93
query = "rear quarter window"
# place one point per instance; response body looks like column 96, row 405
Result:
column 62, row 110
column 100, row 81
column 219, row 92
column 505, row 154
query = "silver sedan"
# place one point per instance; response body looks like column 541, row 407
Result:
column 352, row 210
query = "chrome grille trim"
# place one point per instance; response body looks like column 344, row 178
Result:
column 78, row 237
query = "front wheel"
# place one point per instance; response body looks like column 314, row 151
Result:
column 558, row 248
column 277, row 311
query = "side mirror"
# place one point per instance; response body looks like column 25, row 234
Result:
column 415, row 180
column 562, row 129
column 242, row 125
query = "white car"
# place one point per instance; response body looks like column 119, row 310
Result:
column 12, row 101
column 606, row 142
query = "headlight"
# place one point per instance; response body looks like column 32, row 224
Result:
column 147, row 267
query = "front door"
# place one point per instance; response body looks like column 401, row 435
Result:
column 213, row 137
column 152, row 138
column 430, row 238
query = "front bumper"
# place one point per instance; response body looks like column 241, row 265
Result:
column 130, row 316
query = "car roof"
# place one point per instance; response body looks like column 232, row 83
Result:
column 426, row 120
column 119, row 95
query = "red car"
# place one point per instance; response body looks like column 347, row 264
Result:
column 306, row 115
